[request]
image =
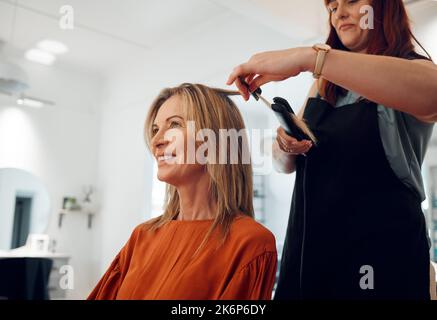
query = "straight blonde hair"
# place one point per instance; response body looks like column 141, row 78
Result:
column 231, row 184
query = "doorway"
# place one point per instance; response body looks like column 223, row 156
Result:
column 23, row 207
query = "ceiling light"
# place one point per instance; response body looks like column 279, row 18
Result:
column 40, row 56
column 30, row 103
column 53, row 46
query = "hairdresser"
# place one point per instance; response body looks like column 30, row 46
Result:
column 356, row 229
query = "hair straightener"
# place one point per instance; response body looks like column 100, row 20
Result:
column 292, row 125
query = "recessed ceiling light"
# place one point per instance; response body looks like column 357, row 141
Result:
column 53, row 46
column 40, row 56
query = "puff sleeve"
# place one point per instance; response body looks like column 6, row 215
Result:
column 254, row 281
column 107, row 287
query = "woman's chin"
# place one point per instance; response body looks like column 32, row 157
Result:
column 348, row 43
column 352, row 43
column 167, row 177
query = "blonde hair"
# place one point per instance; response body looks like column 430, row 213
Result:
column 230, row 184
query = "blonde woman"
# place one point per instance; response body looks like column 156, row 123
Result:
column 206, row 244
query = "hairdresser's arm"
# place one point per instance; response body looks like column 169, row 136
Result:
column 409, row 86
column 285, row 162
column 405, row 85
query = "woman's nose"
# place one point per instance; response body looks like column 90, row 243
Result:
column 161, row 143
column 158, row 141
column 341, row 12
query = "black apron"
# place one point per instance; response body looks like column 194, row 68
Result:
column 355, row 231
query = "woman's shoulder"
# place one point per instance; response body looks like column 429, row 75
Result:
column 246, row 229
column 142, row 230
column 395, row 119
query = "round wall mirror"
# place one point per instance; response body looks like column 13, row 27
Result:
column 24, row 207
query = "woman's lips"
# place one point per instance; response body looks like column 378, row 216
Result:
column 166, row 159
column 346, row 26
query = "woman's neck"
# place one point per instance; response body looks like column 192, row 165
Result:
column 194, row 201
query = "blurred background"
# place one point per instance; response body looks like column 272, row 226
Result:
column 76, row 80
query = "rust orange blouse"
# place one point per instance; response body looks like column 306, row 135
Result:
column 159, row 264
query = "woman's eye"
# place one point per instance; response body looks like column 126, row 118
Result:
column 334, row 9
column 154, row 131
column 175, row 124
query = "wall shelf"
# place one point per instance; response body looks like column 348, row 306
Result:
column 65, row 212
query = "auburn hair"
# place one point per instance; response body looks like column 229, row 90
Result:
column 391, row 36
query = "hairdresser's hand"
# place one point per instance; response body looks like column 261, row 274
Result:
column 272, row 66
column 291, row 145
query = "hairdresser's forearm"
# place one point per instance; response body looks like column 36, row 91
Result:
column 401, row 84
column 283, row 162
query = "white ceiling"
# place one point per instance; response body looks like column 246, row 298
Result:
column 143, row 23
column 107, row 32
column 289, row 17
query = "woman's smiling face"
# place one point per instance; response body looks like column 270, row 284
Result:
column 169, row 144
column 346, row 19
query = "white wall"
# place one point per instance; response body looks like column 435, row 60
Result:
column 57, row 144
column 124, row 182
